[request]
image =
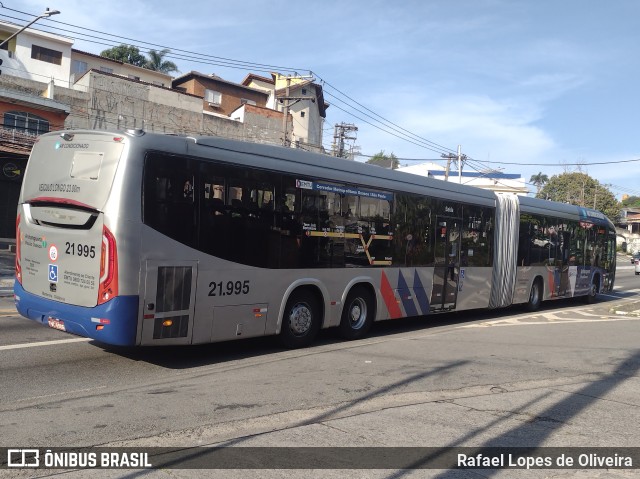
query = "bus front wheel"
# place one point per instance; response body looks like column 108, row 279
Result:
column 301, row 320
column 357, row 315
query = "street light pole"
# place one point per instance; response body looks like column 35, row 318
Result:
column 46, row 14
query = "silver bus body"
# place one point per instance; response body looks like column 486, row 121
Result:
column 118, row 234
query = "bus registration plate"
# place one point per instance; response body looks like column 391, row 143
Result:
column 56, row 324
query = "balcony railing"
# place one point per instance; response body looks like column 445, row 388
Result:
column 17, row 139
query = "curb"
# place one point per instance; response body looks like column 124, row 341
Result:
column 629, row 309
column 6, row 287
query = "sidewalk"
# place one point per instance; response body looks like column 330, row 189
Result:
column 7, row 271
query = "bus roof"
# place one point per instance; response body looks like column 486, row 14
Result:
column 302, row 162
column 546, row 207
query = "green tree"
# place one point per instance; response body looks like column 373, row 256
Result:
column 156, row 62
column 631, row 202
column 539, row 180
column 386, row 161
column 126, row 54
column 582, row 190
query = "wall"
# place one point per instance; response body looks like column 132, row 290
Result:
column 116, row 102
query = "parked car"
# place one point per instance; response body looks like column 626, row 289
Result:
column 637, row 264
column 635, row 257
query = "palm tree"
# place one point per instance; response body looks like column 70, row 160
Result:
column 539, row 180
column 156, row 62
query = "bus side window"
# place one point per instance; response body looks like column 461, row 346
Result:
column 169, row 199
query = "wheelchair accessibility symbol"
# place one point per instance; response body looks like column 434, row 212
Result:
column 53, row 273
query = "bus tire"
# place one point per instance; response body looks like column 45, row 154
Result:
column 590, row 298
column 301, row 319
column 535, row 296
column 357, row 315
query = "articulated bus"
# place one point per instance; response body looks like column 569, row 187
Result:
column 133, row 238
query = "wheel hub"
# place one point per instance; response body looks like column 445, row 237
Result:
column 358, row 313
column 300, row 319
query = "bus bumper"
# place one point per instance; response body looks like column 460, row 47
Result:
column 114, row 322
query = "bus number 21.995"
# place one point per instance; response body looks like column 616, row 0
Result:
column 229, row 288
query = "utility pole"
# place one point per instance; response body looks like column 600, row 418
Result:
column 460, row 160
column 339, row 137
column 285, row 111
column 288, row 101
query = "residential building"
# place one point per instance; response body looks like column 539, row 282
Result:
column 489, row 180
column 304, row 101
column 34, row 66
column 630, row 220
column 35, row 55
column 219, row 96
column 82, row 62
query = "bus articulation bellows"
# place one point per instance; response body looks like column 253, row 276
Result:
column 133, row 238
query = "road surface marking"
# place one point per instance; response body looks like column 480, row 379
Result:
column 43, row 343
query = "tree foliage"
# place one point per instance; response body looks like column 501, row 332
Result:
column 126, row 54
column 631, row 202
column 386, row 161
column 130, row 54
column 156, row 62
column 582, row 190
column 539, row 180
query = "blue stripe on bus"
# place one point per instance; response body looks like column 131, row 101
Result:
column 421, row 294
column 121, row 311
column 405, row 295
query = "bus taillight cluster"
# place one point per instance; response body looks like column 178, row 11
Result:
column 108, row 267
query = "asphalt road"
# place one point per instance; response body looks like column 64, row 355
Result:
column 566, row 376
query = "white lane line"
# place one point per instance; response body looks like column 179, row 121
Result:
column 43, row 343
column 61, row 393
column 517, row 322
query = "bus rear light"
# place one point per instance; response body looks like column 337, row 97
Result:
column 167, row 322
column 108, row 267
column 99, row 327
column 18, row 258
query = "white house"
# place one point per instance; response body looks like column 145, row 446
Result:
column 489, row 180
column 82, row 62
column 36, row 55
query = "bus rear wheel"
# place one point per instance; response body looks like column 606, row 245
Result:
column 301, row 320
column 590, row 298
column 535, row 296
column 357, row 315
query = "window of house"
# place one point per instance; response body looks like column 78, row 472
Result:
column 304, row 91
column 46, row 55
column 302, row 114
column 106, row 69
column 213, row 97
column 78, row 66
column 25, row 122
column 244, row 101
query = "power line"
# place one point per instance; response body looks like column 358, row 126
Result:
column 433, row 146
column 239, row 64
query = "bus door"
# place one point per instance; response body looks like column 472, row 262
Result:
column 169, row 301
column 447, row 264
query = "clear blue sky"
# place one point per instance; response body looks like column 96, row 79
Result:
column 553, row 83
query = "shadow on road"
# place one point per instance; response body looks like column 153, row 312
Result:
column 193, row 356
